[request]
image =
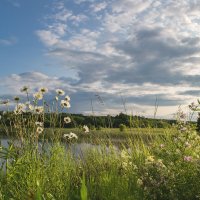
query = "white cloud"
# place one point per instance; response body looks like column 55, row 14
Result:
column 140, row 99
column 98, row 6
column 83, row 1
column 8, row 41
column 47, row 37
column 141, row 48
column 13, row 83
column 62, row 15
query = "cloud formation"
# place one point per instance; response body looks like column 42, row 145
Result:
column 140, row 49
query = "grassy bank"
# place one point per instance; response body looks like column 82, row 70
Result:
column 162, row 170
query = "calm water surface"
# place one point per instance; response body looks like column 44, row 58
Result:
column 76, row 148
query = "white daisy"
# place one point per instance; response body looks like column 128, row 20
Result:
column 67, row 120
column 60, row 92
column 39, row 130
column 20, row 108
column 39, row 109
column 67, row 98
column 70, row 136
column 43, row 90
column 39, row 124
column 24, row 89
column 86, row 129
column 65, row 104
column 38, row 95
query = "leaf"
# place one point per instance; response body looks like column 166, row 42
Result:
column 83, row 189
column 38, row 195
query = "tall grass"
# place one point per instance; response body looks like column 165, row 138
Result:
column 38, row 165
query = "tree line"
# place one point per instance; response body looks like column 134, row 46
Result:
column 99, row 121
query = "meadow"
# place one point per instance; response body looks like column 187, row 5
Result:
column 39, row 163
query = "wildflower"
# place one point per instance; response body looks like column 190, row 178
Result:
column 19, row 108
column 39, row 124
column 29, row 106
column 65, row 104
column 39, row 130
column 73, row 135
column 160, row 163
column 70, row 136
column 39, row 109
column 60, row 92
column 149, row 159
column 124, row 154
column 139, row 182
column 183, row 129
column 181, row 115
column 5, row 102
column 67, row 98
column 16, row 98
column 124, row 165
column 162, row 146
column 38, row 95
column 192, row 106
column 178, row 151
column 43, row 90
column 24, row 89
column 17, row 112
column 86, row 129
column 134, row 166
column 187, row 144
column 67, row 120
column 187, row 158
column 65, row 135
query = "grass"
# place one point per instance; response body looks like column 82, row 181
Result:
column 109, row 133
column 136, row 172
column 148, row 164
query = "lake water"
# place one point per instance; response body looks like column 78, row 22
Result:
column 75, row 148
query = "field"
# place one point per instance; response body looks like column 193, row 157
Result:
column 132, row 163
column 110, row 133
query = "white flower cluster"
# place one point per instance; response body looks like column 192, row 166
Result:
column 126, row 160
column 40, row 128
column 20, row 108
column 86, row 129
column 70, row 136
column 39, row 95
column 65, row 103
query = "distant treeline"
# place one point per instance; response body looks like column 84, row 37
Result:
column 115, row 121
column 97, row 121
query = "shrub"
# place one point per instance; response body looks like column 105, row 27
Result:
column 122, row 127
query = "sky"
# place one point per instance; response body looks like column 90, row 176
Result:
column 112, row 53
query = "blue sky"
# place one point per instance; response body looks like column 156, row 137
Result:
column 142, row 50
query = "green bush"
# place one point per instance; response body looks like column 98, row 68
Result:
column 122, row 127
